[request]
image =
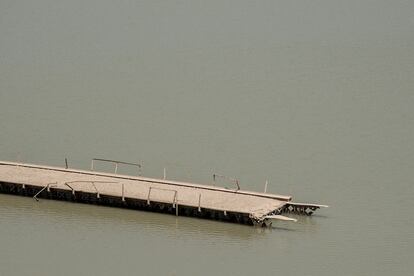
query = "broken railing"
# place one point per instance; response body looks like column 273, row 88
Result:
column 116, row 164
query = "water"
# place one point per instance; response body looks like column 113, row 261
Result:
column 316, row 98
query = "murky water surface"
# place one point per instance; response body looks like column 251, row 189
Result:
column 318, row 98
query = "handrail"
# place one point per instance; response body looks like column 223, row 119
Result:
column 116, row 164
column 234, row 180
column 162, row 189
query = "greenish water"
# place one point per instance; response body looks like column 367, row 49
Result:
column 316, row 97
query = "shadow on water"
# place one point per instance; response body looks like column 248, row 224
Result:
column 92, row 217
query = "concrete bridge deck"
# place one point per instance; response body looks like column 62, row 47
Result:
column 160, row 192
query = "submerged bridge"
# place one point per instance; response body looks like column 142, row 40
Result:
column 150, row 194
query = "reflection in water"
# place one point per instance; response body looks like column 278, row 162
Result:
column 89, row 216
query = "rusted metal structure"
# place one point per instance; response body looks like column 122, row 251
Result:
column 150, row 194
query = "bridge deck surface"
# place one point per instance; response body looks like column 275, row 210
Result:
column 137, row 187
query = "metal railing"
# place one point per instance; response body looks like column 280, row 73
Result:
column 174, row 201
column 116, row 163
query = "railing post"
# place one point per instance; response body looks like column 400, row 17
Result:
column 123, row 192
column 199, row 202
column 174, row 199
column 176, row 204
column 265, row 188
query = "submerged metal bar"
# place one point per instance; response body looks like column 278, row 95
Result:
column 45, row 187
column 279, row 217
